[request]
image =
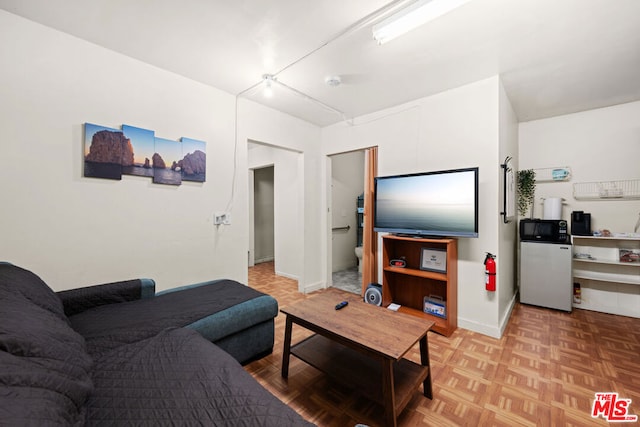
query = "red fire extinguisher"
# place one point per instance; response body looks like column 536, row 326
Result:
column 490, row 272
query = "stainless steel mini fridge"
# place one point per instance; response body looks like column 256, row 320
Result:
column 545, row 275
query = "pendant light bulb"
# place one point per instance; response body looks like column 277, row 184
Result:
column 268, row 85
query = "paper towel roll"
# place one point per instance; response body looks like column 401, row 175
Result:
column 552, row 208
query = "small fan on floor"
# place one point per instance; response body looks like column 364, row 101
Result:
column 373, row 294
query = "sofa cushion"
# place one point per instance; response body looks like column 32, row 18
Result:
column 86, row 298
column 44, row 366
column 179, row 378
column 236, row 318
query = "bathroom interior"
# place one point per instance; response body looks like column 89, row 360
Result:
column 347, row 204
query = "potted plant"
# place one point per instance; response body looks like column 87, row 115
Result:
column 526, row 190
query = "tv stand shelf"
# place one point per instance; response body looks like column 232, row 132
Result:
column 417, row 273
column 409, row 285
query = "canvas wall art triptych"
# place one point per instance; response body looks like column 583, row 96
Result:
column 110, row 153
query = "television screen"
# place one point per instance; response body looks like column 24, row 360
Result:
column 440, row 203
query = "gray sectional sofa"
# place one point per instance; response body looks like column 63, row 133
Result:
column 120, row 353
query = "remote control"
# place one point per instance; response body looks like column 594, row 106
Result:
column 343, row 304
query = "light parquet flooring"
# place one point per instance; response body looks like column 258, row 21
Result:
column 544, row 371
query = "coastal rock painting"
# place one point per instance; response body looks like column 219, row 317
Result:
column 143, row 142
column 105, row 149
column 194, row 161
column 164, row 161
column 110, row 153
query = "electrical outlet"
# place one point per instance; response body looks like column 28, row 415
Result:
column 221, row 218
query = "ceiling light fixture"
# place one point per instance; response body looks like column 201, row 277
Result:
column 416, row 14
column 268, row 82
column 333, row 81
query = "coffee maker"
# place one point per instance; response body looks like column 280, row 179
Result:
column 580, row 223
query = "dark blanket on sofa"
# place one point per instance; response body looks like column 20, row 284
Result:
column 172, row 377
column 44, row 368
column 109, row 326
column 204, row 386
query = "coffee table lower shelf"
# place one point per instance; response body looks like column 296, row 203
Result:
column 364, row 372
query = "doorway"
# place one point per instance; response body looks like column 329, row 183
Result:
column 263, row 217
column 276, row 227
column 347, row 204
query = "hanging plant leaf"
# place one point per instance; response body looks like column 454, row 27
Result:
column 526, row 190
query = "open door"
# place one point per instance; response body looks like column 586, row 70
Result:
column 369, row 237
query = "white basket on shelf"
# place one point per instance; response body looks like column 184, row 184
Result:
column 607, row 190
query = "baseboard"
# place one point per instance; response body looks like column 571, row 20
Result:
column 505, row 319
column 287, row 275
column 492, row 331
column 480, row 328
column 312, row 287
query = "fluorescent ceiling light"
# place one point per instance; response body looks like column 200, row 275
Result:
column 418, row 13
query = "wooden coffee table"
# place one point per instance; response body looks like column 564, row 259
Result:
column 362, row 346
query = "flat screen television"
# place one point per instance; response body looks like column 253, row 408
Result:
column 440, row 203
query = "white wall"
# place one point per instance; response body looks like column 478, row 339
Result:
column 287, row 211
column 76, row 231
column 272, row 128
column 598, row 145
column 453, row 129
column 506, row 280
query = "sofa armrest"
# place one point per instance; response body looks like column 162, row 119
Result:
column 81, row 299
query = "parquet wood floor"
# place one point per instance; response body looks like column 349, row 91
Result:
column 544, row 371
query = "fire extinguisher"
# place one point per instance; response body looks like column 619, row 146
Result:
column 490, row 272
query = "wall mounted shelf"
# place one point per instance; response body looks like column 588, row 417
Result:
column 607, row 190
column 607, row 284
column 556, row 174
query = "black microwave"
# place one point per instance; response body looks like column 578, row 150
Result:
column 543, row 230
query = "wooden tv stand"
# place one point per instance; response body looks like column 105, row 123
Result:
column 409, row 285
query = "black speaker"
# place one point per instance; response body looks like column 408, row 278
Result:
column 373, row 294
column 580, row 223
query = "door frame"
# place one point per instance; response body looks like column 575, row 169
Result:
column 370, row 238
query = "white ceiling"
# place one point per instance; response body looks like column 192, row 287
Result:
column 554, row 56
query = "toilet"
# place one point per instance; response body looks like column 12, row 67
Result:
column 358, row 252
